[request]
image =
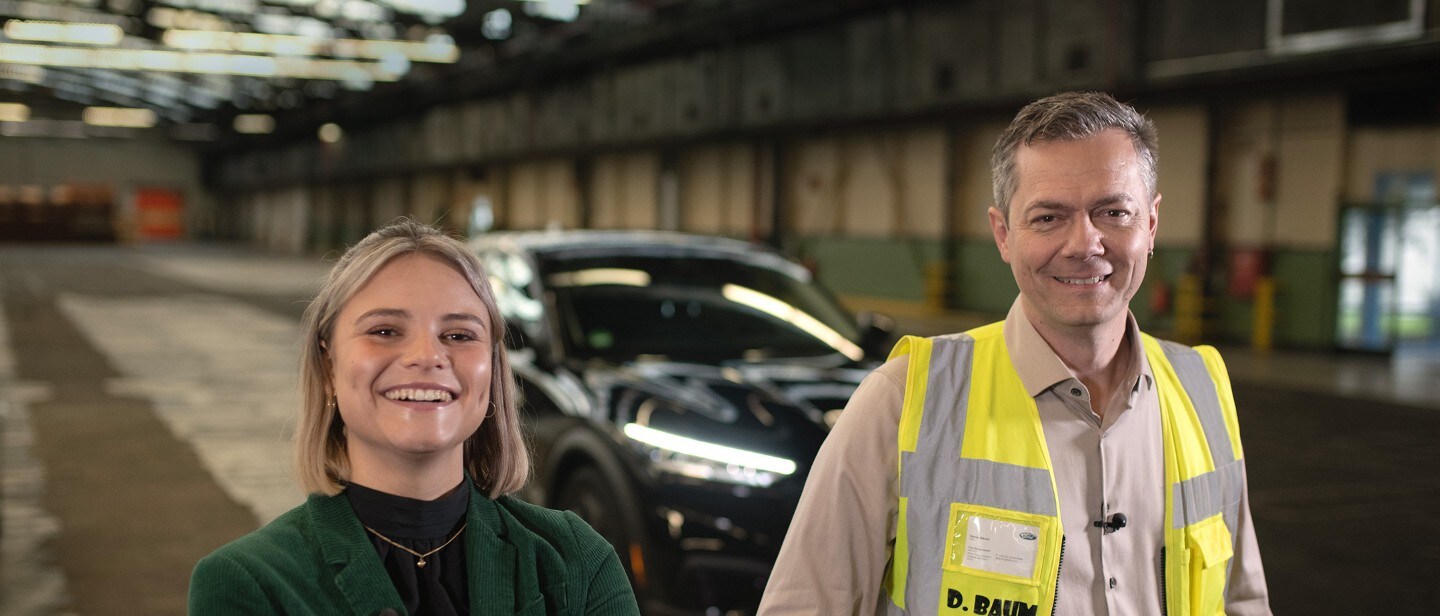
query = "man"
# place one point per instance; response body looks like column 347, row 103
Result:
column 1057, row 462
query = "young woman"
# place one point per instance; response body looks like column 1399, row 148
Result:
column 409, row 443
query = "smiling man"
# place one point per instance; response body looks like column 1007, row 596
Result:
column 1057, row 462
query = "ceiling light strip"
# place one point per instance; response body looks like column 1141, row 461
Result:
column 203, row 63
column 64, row 32
column 443, row 52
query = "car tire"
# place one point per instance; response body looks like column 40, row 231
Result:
column 590, row 494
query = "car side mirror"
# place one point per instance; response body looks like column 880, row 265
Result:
column 877, row 334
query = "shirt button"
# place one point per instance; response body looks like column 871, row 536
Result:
column 1075, row 391
column 1112, row 582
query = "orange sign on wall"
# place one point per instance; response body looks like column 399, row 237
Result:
column 159, row 213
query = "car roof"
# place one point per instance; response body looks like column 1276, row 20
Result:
column 574, row 244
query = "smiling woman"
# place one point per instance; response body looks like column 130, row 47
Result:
column 409, row 444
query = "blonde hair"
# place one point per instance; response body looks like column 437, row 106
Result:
column 495, row 455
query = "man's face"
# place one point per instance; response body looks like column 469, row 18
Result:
column 1080, row 226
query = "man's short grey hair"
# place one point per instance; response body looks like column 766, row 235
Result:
column 1070, row 116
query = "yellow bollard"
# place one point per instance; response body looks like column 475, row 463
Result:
column 1262, row 338
column 937, row 285
column 1189, row 309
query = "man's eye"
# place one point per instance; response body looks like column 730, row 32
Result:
column 1048, row 218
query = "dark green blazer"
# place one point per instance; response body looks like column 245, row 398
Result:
column 317, row 559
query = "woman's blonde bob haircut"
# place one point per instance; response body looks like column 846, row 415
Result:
column 495, row 455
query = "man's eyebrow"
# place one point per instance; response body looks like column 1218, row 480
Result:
column 1115, row 199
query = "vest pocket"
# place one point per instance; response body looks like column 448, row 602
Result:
column 997, row 561
column 1210, row 549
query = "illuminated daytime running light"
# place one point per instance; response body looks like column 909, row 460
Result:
column 709, row 451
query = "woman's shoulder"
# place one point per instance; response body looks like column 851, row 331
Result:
column 563, row 530
column 278, row 541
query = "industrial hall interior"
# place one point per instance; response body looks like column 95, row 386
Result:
column 177, row 177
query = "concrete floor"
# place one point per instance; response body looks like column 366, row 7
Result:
column 147, row 396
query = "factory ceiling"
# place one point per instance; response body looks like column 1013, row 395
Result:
column 203, row 70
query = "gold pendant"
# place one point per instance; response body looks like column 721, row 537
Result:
column 420, row 563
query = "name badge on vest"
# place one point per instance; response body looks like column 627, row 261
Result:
column 998, row 546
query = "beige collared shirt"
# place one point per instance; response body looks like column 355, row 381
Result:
column 835, row 553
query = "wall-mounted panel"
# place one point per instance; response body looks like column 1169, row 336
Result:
column 763, row 93
column 624, row 191
column 443, row 144
column 816, row 175
column 556, row 122
column 1084, row 42
column 717, row 189
column 1185, row 148
column 873, row 60
column 950, row 53
column 818, row 58
column 696, row 98
column 1019, row 43
column 643, row 100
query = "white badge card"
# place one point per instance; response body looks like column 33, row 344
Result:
column 999, row 546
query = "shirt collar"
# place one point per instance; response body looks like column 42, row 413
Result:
column 1040, row 368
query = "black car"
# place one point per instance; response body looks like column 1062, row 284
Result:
column 676, row 389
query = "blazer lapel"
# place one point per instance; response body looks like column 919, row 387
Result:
column 491, row 559
column 358, row 571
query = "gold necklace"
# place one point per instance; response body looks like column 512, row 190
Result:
column 420, row 558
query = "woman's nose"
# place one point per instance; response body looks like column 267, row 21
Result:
column 425, row 352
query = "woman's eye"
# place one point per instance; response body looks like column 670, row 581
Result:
column 385, row 332
column 460, row 336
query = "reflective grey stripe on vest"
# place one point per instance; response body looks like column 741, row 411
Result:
column 934, row 475
column 1217, row 491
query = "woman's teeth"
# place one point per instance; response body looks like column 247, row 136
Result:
column 419, row 395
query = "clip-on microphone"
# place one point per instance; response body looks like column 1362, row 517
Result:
column 1116, row 522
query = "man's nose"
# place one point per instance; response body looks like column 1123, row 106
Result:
column 1083, row 239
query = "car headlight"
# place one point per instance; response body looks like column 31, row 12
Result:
column 689, row 457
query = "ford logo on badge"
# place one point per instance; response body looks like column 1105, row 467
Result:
column 1028, row 536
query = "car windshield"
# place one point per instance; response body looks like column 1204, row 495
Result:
column 693, row 308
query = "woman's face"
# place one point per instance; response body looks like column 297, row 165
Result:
column 410, row 364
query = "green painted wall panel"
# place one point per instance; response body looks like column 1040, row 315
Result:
column 982, row 281
column 891, row 268
column 1305, row 299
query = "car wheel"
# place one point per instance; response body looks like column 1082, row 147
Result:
column 589, row 494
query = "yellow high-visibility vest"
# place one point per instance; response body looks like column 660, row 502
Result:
column 979, row 515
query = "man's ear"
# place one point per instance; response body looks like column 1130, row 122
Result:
column 1154, row 219
column 1000, row 228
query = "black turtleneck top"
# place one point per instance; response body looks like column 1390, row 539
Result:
column 439, row 588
